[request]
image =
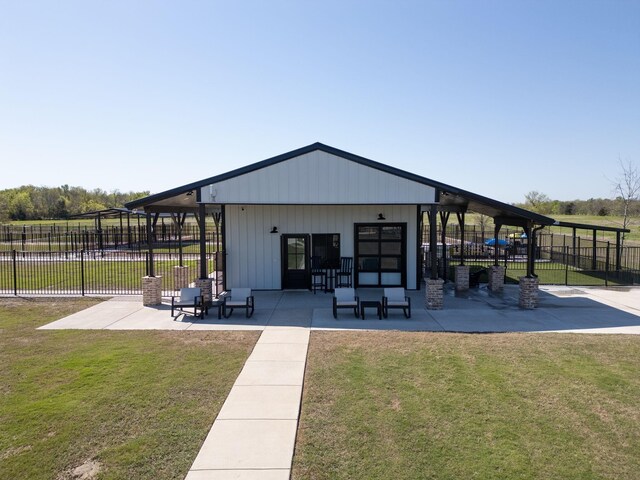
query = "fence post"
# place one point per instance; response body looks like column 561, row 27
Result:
column 82, row 271
column 606, row 266
column 15, row 272
column 566, row 267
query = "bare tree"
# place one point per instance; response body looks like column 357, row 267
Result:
column 627, row 188
column 537, row 201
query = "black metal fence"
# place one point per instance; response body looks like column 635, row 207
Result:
column 93, row 272
column 559, row 259
column 74, row 238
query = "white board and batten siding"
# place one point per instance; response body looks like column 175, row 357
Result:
column 318, row 178
column 253, row 253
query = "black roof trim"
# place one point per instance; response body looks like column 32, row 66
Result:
column 107, row 212
column 585, row 226
column 516, row 211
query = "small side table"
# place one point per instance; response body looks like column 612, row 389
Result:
column 371, row 304
column 216, row 302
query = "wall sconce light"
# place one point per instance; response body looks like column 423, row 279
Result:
column 189, row 193
column 274, row 230
column 381, row 216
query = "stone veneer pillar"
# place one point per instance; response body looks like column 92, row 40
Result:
column 180, row 277
column 434, row 295
column 206, row 287
column 462, row 277
column 496, row 278
column 151, row 291
column 528, row 292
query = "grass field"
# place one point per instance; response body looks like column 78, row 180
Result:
column 383, row 405
column 129, row 405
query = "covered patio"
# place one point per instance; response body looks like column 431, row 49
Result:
column 479, row 310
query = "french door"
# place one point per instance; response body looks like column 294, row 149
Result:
column 296, row 271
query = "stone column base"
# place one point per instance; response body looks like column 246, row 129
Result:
column 462, row 278
column 434, row 294
column 205, row 286
column 151, row 291
column 180, row 277
column 528, row 292
column 496, row 278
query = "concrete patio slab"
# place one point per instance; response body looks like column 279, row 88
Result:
column 262, row 402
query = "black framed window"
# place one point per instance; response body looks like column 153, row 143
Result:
column 327, row 247
column 380, row 254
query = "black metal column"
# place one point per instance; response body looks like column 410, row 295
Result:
column 433, row 240
column 202, row 214
column 444, row 219
column 151, row 269
column 530, row 258
column 461, row 224
column 496, row 231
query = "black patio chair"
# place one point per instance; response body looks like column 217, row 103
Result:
column 344, row 276
column 318, row 275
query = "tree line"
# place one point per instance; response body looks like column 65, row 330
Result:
column 542, row 204
column 43, row 203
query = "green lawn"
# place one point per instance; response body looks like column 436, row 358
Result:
column 387, row 405
column 133, row 405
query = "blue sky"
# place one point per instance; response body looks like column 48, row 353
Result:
column 497, row 97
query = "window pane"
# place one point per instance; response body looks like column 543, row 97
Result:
column 391, row 278
column 368, row 233
column 327, row 247
column 368, row 278
column 391, row 248
column 368, row 264
column 368, row 248
column 392, row 233
column 390, row 263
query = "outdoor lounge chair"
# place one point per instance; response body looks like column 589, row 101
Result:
column 395, row 298
column 345, row 298
column 238, row 298
column 189, row 298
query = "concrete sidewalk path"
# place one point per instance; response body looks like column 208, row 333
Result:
column 254, row 435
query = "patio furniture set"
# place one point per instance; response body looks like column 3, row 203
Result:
column 191, row 300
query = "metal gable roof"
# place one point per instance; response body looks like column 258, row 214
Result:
column 184, row 198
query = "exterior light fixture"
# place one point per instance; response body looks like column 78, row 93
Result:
column 381, row 216
column 189, row 193
column 274, row 230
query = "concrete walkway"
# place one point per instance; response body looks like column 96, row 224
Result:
column 254, row 435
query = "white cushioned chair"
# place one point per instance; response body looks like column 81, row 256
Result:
column 238, row 298
column 189, row 298
column 345, row 298
column 396, row 298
